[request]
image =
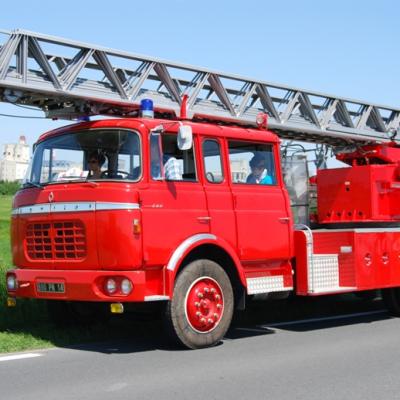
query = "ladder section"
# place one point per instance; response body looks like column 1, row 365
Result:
column 68, row 79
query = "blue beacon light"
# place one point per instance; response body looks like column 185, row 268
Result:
column 84, row 118
column 146, row 108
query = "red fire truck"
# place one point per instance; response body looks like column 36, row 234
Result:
column 198, row 195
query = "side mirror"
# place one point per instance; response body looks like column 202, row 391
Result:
column 185, row 137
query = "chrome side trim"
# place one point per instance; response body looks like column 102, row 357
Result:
column 47, row 208
column 72, row 207
column 156, row 298
column 180, row 250
column 34, row 209
column 116, row 206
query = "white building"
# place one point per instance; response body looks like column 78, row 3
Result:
column 15, row 161
column 240, row 170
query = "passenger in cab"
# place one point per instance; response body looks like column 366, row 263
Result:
column 258, row 171
column 95, row 162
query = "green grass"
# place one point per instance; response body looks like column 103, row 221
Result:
column 5, row 211
column 22, row 313
column 15, row 323
column 18, row 341
column 5, row 254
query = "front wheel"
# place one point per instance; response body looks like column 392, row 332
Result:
column 201, row 308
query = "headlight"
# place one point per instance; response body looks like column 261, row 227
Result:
column 126, row 286
column 12, row 282
column 111, row 286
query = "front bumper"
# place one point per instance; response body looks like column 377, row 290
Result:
column 87, row 285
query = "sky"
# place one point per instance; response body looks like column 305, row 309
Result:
column 347, row 48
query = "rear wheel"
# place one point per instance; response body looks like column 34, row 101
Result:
column 201, row 308
column 391, row 298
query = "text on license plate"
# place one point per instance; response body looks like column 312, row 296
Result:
column 47, row 287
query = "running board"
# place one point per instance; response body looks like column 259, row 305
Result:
column 332, row 290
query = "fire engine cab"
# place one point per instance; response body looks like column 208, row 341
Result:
column 198, row 194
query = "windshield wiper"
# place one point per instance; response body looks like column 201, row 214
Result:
column 32, row 184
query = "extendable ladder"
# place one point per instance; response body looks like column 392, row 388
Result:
column 68, row 79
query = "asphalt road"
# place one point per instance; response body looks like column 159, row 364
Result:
column 354, row 357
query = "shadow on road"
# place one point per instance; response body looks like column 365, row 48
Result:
column 259, row 318
column 306, row 314
column 129, row 333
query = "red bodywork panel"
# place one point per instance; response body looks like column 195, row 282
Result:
column 365, row 259
column 368, row 193
column 87, row 285
column 99, row 227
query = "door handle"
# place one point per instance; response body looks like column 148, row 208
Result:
column 204, row 219
column 284, row 220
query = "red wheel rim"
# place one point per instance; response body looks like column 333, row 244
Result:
column 204, row 304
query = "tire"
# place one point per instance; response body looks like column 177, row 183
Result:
column 201, row 308
column 391, row 299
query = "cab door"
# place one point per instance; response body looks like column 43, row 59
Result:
column 261, row 209
column 217, row 190
column 173, row 210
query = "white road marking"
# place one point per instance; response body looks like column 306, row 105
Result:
column 20, row 356
column 262, row 328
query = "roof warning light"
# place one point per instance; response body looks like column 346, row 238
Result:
column 146, row 108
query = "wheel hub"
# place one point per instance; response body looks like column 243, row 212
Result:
column 204, row 304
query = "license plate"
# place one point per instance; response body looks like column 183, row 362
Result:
column 48, row 287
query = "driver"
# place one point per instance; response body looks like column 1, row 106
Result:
column 95, row 162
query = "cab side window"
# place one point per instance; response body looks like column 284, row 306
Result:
column 170, row 163
column 212, row 161
column 252, row 163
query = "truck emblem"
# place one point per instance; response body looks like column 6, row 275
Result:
column 51, row 197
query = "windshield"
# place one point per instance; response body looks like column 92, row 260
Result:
column 94, row 155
